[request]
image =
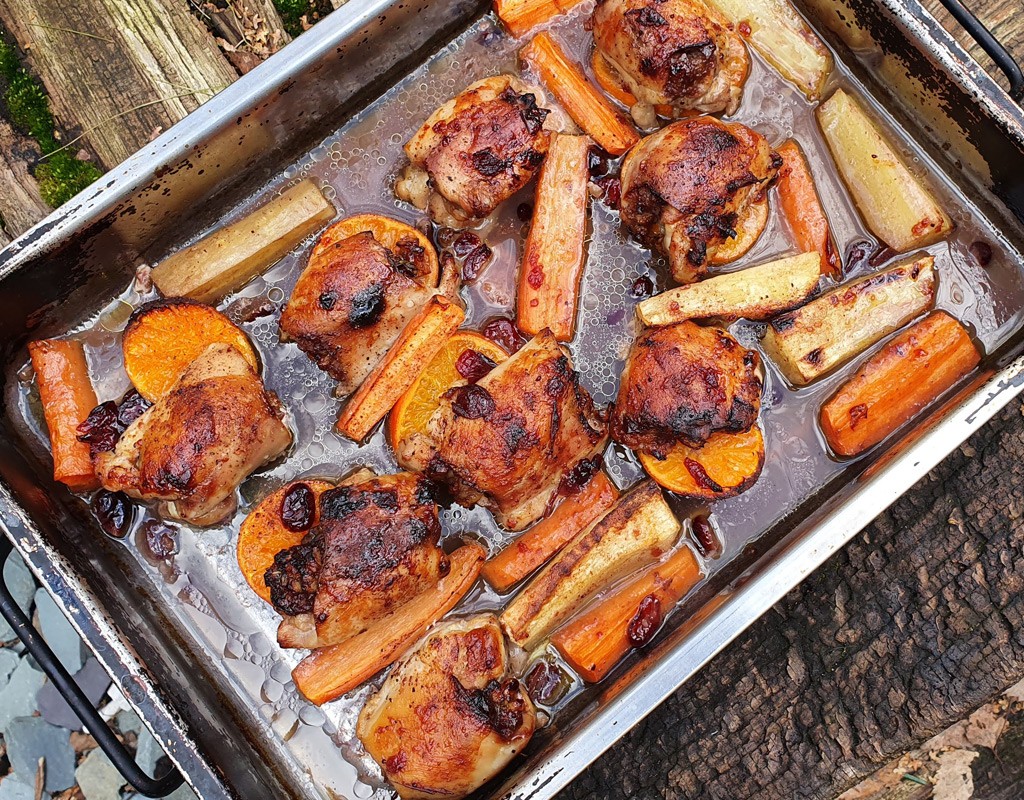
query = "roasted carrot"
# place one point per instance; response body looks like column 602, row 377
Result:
column 330, row 672
column 520, row 16
column 67, row 397
column 579, row 97
column 423, row 336
column 549, row 276
column 574, row 514
column 897, row 382
column 802, row 208
column 598, row 639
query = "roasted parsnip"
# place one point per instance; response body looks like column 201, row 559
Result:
column 579, row 97
column 552, row 265
column 636, row 532
column 815, row 338
column 754, row 293
column 520, row 16
column 894, row 202
column 423, row 336
column 778, row 32
column 803, row 211
column 232, row 256
column 907, row 374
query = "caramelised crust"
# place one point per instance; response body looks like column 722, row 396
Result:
column 676, row 53
column 683, row 383
column 482, row 146
column 199, row 441
column 509, row 441
column 684, row 188
column 451, row 714
column 351, row 302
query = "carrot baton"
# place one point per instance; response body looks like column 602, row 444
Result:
column 897, row 382
column 67, row 397
column 579, row 97
column 596, row 641
column 802, row 208
column 574, row 514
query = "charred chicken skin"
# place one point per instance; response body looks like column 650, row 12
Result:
column 686, row 187
column 476, row 150
column 352, row 301
column 675, row 53
column 450, row 716
column 681, row 384
column 192, row 449
column 374, row 548
column 510, row 440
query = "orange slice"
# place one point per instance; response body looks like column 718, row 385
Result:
column 418, row 404
column 726, row 465
column 164, row 337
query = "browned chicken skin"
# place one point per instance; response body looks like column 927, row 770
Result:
column 352, row 301
column 675, row 53
column 476, row 150
column 192, row 448
column 683, row 383
column 685, row 187
column 374, row 548
column 450, row 715
column 510, row 440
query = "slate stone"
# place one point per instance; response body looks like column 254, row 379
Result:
column 22, row 585
column 128, row 722
column 98, row 778
column 8, row 661
column 148, row 752
column 18, row 697
column 12, row 789
column 31, row 738
column 92, row 679
column 58, row 632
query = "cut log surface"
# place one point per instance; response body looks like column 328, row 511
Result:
column 21, row 207
column 118, row 70
column 911, row 626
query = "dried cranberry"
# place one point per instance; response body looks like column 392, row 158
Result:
column 504, row 333
column 133, row 405
column 475, row 263
column 298, row 507
column 645, row 623
column 100, row 430
column 597, row 161
column 611, row 190
column 465, row 243
column 472, row 365
column 546, row 683
column 161, row 539
column 708, row 543
column 981, row 252
column 700, row 475
column 524, row 211
column 642, row 287
column 471, row 402
column 114, row 511
column 446, row 237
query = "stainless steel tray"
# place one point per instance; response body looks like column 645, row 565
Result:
column 186, row 678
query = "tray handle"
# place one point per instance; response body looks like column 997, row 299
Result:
column 990, row 44
column 75, row 697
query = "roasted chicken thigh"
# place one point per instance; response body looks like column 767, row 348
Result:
column 682, row 383
column 353, row 300
column 476, row 150
column 686, row 187
column 374, row 548
column 450, row 715
column 192, row 449
column 672, row 53
column 510, row 440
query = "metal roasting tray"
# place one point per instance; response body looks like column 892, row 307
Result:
column 171, row 633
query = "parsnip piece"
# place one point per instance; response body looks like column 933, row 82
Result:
column 232, row 256
column 549, row 277
column 815, row 338
column 391, row 378
column 777, row 31
column 755, row 293
column 636, row 532
column 896, row 205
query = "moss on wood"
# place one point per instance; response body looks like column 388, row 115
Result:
column 297, row 15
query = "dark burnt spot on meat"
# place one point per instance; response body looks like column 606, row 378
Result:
column 386, row 499
column 556, row 386
column 741, row 181
column 488, row 164
column 499, row 705
column 698, row 253
column 688, row 67
column 471, row 402
column 293, row 579
column 425, row 492
column 327, row 300
column 645, row 17
column 532, row 115
column 648, row 66
column 341, row 502
column 367, row 306
column 741, row 416
column 530, row 158
column 515, row 436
